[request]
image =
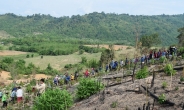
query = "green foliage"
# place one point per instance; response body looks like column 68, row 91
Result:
column 55, row 99
column 93, row 63
column 168, row 69
column 142, row 73
column 33, row 82
column 88, row 87
column 176, row 88
column 162, row 59
column 81, row 51
column 161, row 98
column 150, row 40
column 84, row 60
column 107, row 55
column 182, row 79
column 28, row 88
column 129, row 48
column 32, row 55
column 181, row 36
column 164, row 84
column 87, row 27
column 68, row 66
column 114, row 104
column 27, row 56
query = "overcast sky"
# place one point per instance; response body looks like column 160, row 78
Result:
column 60, row 8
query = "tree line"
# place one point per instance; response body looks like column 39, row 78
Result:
column 101, row 27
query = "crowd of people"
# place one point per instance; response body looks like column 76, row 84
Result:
column 67, row 78
column 17, row 93
column 145, row 58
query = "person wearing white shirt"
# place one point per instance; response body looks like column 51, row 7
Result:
column 19, row 94
column 41, row 87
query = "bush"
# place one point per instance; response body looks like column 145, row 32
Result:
column 168, row 69
column 162, row 59
column 142, row 73
column 27, row 56
column 88, row 87
column 28, row 88
column 93, row 63
column 182, row 79
column 129, row 48
column 84, row 60
column 81, row 51
column 68, row 66
column 164, row 84
column 161, row 98
column 32, row 55
column 114, row 104
column 55, row 99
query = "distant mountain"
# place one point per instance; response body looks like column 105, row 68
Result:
column 115, row 28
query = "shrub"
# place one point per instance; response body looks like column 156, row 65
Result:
column 84, row 60
column 81, row 51
column 129, row 48
column 93, row 63
column 168, row 69
column 161, row 98
column 142, row 73
column 176, row 88
column 164, row 84
column 68, row 66
column 32, row 55
column 55, row 99
column 33, row 82
column 114, row 104
column 162, row 59
column 181, row 79
column 88, row 87
column 28, row 88
column 27, row 56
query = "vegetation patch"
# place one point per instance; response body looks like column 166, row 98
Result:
column 53, row 99
column 88, row 87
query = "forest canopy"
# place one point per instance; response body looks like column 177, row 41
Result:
column 94, row 27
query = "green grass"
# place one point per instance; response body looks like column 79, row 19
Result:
column 58, row 62
column 21, row 56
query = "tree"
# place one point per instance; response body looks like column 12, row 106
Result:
column 150, row 40
column 181, row 36
column 107, row 55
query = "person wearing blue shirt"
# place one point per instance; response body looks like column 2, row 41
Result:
column 142, row 61
column 13, row 96
column 67, row 79
column 1, row 94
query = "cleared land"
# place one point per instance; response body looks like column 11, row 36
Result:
column 5, row 77
column 7, row 52
column 58, row 62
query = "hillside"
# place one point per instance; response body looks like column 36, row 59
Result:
column 101, row 27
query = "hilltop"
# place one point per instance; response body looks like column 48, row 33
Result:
column 100, row 27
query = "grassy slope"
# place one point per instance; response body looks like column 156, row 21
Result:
column 58, row 62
